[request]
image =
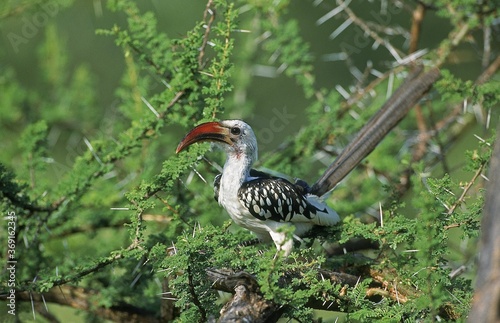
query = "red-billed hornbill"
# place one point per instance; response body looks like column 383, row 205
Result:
column 255, row 200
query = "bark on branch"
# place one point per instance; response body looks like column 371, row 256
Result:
column 486, row 305
column 248, row 304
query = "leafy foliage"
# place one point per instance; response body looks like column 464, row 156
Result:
column 127, row 220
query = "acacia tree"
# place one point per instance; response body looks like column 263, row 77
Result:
column 131, row 232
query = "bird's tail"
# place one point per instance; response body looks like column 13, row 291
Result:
column 325, row 215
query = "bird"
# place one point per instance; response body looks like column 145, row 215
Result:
column 263, row 203
column 255, row 200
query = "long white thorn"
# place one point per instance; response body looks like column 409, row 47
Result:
column 89, row 146
column 332, row 13
column 150, row 106
column 381, row 215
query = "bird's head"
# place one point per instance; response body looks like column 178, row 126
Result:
column 234, row 136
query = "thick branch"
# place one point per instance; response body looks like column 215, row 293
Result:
column 248, row 304
column 486, row 307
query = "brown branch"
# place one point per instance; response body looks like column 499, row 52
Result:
column 487, row 44
column 248, row 306
column 466, row 189
column 360, row 94
column 455, row 38
column 489, row 71
column 388, row 280
column 416, row 25
column 369, row 31
column 424, row 135
column 485, row 307
column 172, row 102
column 168, row 311
column 86, row 300
column 227, row 280
column 167, row 205
column 245, row 288
column 79, row 273
column 96, row 267
column 457, row 110
column 42, row 310
column 208, row 27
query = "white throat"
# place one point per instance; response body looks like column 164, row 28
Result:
column 236, row 171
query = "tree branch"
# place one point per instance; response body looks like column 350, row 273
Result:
column 85, row 299
column 248, row 305
column 485, row 307
column 208, row 27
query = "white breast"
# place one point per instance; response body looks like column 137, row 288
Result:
column 228, row 198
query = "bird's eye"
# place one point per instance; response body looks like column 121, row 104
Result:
column 235, row 131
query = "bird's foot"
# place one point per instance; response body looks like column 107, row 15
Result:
column 251, row 242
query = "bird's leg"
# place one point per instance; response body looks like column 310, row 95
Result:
column 282, row 242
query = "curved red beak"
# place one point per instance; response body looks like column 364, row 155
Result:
column 209, row 131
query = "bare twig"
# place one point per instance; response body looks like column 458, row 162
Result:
column 416, row 24
column 369, row 31
column 417, row 19
column 208, row 27
column 466, row 189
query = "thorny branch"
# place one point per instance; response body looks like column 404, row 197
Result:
column 446, row 122
column 111, row 158
column 416, row 25
column 237, row 283
column 84, row 299
column 402, row 100
column 208, row 11
column 93, row 227
column 369, row 31
column 467, row 188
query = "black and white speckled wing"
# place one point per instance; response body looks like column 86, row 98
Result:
column 279, row 200
column 217, row 187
